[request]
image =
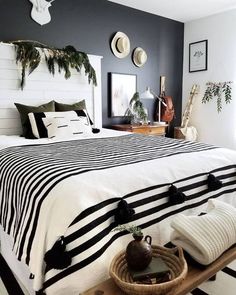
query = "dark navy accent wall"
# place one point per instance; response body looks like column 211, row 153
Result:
column 90, row 24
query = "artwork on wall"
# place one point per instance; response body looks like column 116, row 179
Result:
column 123, row 87
column 198, row 56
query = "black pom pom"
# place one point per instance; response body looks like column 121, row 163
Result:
column 57, row 257
column 95, row 130
column 213, row 183
column 123, row 213
column 176, row 196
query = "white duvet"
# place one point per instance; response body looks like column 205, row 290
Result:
column 15, row 140
column 79, row 192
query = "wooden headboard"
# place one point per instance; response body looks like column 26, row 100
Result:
column 42, row 87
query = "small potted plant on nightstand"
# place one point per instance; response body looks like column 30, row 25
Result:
column 136, row 111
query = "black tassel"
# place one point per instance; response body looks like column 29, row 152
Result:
column 176, row 196
column 95, row 130
column 213, row 183
column 123, row 213
column 57, row 257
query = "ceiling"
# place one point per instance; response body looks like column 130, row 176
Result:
column 180, row 10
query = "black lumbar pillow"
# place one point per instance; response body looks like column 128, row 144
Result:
column 213, row 183
column 123, row 212
column 176, row 196
column 57, row 257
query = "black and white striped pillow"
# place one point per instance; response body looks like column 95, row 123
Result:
column 70, row 118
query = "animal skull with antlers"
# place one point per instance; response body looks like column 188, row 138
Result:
column 39, row 12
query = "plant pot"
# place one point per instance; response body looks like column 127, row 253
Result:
column 139, row 252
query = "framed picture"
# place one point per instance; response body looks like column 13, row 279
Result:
column 123, row 87
column 198, row 56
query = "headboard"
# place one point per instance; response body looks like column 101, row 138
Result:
column 41, row 87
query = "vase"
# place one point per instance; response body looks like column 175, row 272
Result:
column 139, row 252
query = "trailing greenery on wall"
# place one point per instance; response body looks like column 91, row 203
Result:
column 218, row 90
column 30, row 53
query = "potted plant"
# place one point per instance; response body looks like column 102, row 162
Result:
column 133, row 229
column 136, row 111
column 138, row 252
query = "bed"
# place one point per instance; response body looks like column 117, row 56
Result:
column 86, row 189
column 70, row 189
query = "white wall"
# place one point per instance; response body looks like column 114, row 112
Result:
column 220, row 30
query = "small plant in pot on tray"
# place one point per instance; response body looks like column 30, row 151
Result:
column 138, row 251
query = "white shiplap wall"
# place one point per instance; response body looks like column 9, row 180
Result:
column 41, row 87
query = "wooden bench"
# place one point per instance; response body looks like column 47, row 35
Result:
column 196, row 275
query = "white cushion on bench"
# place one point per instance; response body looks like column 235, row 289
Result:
column 206, row 237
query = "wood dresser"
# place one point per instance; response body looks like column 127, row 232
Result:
column 196, row 275
column 159, row 130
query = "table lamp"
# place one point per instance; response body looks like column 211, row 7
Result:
column 148, row 93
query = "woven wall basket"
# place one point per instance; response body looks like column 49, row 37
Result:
column 176, row 263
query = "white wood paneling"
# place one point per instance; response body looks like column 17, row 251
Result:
column 42, row 87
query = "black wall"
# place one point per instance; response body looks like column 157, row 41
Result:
column 90, row 24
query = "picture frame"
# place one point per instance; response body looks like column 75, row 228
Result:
column 198, row 52
column 123, row 87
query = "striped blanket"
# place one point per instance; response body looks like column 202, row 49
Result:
column 72, row 189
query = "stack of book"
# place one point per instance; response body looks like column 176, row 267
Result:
column 156, row 272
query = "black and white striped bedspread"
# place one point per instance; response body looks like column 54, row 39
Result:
column 72, row 189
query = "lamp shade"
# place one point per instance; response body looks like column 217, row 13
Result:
column 147, row 94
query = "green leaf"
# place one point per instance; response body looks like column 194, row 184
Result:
column 29, row 56
column 218, row 90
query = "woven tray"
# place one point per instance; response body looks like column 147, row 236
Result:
column 178, row 269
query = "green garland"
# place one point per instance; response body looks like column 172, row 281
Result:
column 217, row 90
column 28, row 53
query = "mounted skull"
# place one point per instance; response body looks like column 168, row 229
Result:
column 39, row 12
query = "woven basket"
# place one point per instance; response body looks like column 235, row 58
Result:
column 178, row 270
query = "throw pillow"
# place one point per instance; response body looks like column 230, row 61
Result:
column 58, row 127
column 24, row 110
column 80, row 105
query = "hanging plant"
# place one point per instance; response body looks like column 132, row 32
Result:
column 30, row 53
column 218, row 90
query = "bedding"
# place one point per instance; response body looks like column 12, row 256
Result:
column 62, row 107
column 77, row 106
column 54, row 124
column 71, row 189
column 24, row 110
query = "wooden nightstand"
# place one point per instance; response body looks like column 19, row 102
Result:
column 159, row 130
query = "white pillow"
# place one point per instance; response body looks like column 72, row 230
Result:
column 58, row 128
column 38, row 127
